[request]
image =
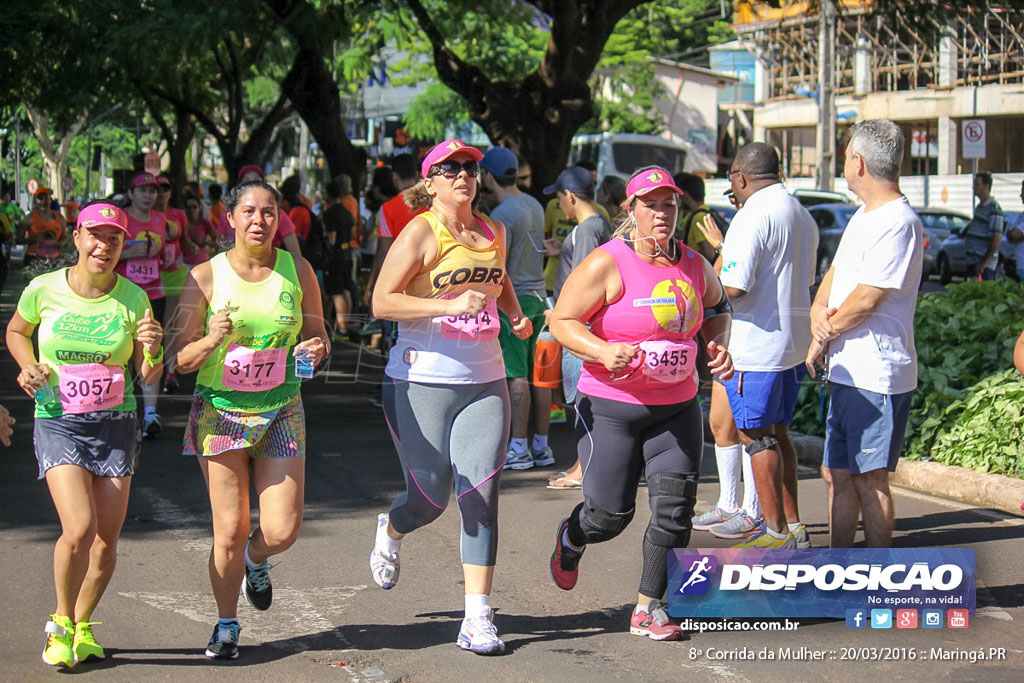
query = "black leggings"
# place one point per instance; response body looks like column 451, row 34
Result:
column 616, row 442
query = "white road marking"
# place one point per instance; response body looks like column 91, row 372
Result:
column 297, row 615
column 189, row 528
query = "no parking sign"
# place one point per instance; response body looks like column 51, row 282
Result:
column 972, row 134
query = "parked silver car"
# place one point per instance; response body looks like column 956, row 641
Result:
column 938, row 224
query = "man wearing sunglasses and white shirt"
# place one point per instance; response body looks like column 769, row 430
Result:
column 523, row 217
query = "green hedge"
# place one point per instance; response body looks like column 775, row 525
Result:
column 962, row 336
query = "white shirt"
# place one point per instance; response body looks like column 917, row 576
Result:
column 882, row 248
column 769, row 252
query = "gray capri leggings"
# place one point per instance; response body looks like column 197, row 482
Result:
column 450, row 434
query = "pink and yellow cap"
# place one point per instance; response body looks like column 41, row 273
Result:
column 102, row 214
column 443, row 150
column 650, row 180
column 144, row 179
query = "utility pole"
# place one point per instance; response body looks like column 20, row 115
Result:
column 826, row 98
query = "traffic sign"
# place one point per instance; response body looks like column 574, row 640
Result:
column 152, row 163
column 973, row 138
column 32, row 186
column 67, row 183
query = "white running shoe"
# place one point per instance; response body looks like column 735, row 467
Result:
column 802, row 539
column 712, row 518
column 479, row 635
column 383, row 566
column 517, row 461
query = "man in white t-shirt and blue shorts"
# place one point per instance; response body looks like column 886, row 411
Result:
column 768, row 261
column 862, row 320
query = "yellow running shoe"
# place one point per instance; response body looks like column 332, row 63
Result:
column 85, row 645
column 59, row 633
column 766, row 541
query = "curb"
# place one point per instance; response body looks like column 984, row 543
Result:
column 994, row 491
column 989, row 490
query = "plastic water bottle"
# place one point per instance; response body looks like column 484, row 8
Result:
column 44, row 394
column 304, row 367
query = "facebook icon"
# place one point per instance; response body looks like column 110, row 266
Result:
column 856, row 618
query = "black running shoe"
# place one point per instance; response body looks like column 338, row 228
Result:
column 171, row 383
column 151, row 426
column 256, row 586
column 224, row 642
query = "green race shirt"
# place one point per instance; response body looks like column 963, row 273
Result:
column 265, row 315
column 75, row 330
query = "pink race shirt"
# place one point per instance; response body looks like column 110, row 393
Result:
column 140, row 270
column 660, row 310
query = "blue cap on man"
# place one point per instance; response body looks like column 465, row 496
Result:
column 575, row 179
column 500, row 161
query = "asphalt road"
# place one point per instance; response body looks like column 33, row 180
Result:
column 330, row 622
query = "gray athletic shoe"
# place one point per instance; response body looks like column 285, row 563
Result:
column 712, row 518
column 740, row 525
column 802, row 539
column 542, row 458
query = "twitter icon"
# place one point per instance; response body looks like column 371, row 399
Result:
column 881, row 618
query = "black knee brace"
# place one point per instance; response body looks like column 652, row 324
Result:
column 672, row 499
column 765, row 443
column 598, row 525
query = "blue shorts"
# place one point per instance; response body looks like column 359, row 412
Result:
column 864, row 430
column 763, row 399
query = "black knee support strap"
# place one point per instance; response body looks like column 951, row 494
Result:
column 597, row 524
column 765, row 443
column 672, row 499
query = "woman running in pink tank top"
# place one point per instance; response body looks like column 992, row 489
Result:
column 632, row 311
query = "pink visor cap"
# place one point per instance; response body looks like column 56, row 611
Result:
column 648, row 181
column 446, row 149
column 250, row 168
column 145, row 179
column 95, row 215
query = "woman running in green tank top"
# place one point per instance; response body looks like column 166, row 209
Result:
column 255, row 310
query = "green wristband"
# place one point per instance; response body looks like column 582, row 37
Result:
column 153, row 360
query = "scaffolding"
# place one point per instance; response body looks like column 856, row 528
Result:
column 982, row 43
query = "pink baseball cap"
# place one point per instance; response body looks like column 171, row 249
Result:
column 144, row 179
column 102, row 214
column 442, row 151
column 250, row 168
column 650, row 180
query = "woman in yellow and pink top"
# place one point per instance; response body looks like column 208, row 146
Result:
column 95, row 330
column 445, row 396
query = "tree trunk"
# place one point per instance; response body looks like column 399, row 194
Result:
column 314, row 94
column 536, row 116
column 54, row 152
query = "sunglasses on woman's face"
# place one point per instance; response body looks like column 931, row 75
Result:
column 452, row 169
